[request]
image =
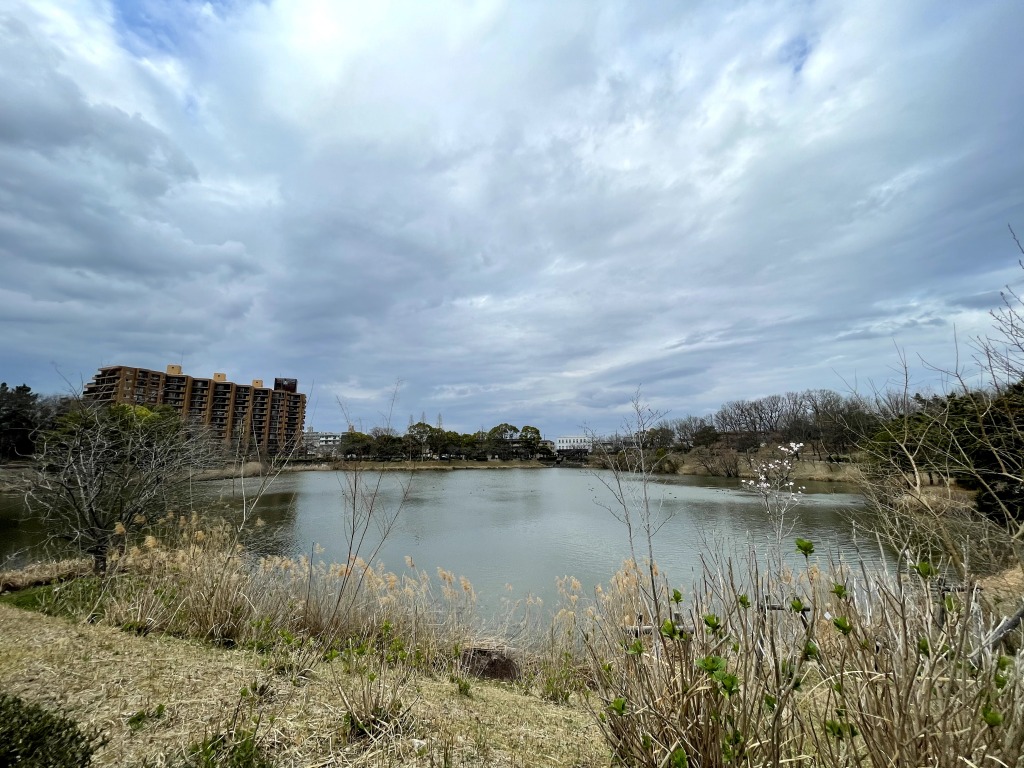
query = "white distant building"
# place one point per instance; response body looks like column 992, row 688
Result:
column 574, row 443
column 321, row 443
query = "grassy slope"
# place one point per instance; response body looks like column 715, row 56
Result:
column 104, row 676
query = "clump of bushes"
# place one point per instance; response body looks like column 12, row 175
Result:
column 768, row 663
column 34, row 737
column 823, row 663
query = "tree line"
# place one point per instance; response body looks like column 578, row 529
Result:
column 423, row 441
column 826, row 423
column 25, row 414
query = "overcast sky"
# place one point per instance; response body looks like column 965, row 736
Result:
column 521, row 210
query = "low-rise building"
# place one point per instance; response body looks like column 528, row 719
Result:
column 574, row 444
column 321, row 444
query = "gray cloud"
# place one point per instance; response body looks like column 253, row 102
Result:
column 524, row 212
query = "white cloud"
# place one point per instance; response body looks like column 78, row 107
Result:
column 523, row 211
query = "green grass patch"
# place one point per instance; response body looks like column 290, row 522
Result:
column 31, row 599
column 234, row 749
column 75, row 598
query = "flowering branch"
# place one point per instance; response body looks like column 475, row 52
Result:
column 777, row 491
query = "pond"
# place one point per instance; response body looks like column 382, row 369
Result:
column 514, row 532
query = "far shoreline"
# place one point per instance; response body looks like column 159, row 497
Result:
column 807, row 470
column 15, row 477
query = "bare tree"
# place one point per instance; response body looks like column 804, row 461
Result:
column 970, row 440
column 686, row 429
column 367, row 517
column 105, row 472
column 629, row 481
column 717, row 460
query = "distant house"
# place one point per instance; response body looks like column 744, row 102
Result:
column 322, row 444
column 574, row 444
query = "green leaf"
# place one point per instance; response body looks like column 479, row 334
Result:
column 842, row 624
column 796, row 605
column 840, row 729
column 669, row 630
column 992, row 717
column 677, row 598
column 924, row 647
column 732, row 746
column 618, row 706
column 729, row 682
column 839, row 590
column 636, row 649
column 924, row 569
column 712, row 622
column 711, row 664
column 744, row 601
column 805, row 547
column 678, row 759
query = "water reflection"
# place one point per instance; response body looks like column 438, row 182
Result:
column 525, row 527
column 528, row 527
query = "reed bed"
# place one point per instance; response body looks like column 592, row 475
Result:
column 193, row 578
column 754, row 663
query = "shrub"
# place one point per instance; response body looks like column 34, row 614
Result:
column 769, row 666
column 32, row 736
column 374, row 708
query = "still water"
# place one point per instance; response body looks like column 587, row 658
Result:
column 519, row 527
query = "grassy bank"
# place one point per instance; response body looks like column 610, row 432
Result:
column 433, row 465
column 155, row 695
column 256, row 469
column 190, row 643
column 320, row 664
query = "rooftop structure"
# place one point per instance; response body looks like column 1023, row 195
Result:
column 250, row 416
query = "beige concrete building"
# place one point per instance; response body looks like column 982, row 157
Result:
column 248, row 415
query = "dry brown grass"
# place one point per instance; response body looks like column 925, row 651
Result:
column 806, row 470
column 317, row 647
column 1004, row 591
column 103, row 677
column 192, row 578
column 45, row 572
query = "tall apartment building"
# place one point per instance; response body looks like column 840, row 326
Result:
column 248, row 415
